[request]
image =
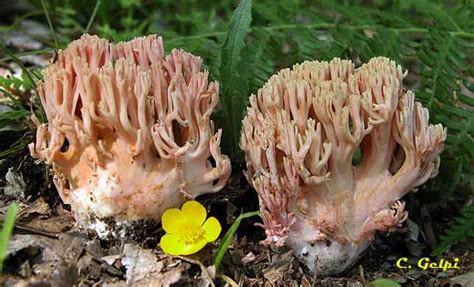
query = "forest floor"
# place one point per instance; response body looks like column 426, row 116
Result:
column 48, row 249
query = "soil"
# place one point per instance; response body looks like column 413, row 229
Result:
column 48, row 249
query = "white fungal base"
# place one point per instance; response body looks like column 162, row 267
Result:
column 111, row 228
column 96, row 197
column 324, row 258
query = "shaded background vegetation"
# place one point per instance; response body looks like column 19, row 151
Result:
column 434, row 40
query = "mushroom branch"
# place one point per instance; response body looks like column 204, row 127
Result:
column 300, row 135
column 129, row 132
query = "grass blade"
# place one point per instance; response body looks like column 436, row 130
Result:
column 20, row 64
column 12, row 118
column 7, row 231
column 27, row 53
column 92, row 18
column 51, row 27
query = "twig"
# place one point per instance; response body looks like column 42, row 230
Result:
column 32, row 230
column 204, row 270
column 37, row 231
column 228, row 280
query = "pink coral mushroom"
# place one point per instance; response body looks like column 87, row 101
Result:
column 129, row 131
column 300, row 135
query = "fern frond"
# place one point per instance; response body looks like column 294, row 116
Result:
column 444, row 73
column 257, row 67
column 360, row 33
column 234, row 88
column 462, row 230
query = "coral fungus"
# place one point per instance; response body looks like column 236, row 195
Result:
column 129, row 131
column 300, row 136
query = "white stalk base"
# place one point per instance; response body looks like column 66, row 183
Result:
column 324, row 258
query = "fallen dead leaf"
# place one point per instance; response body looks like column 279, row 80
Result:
column 280, row 265
column 139, row 262
column 57, row 260
column 111, row 259
column 38, row 207
column 250, row 257
column 15, row 186
column 465, row 280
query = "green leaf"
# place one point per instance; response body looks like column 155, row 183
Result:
column 383, row 283
column 234, row 87
column 129, row 3
column 7, row 229
column 222, row 250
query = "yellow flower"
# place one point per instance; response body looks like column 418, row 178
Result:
column 187, row 230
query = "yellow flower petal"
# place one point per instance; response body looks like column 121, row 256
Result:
column 173, row 245
column 173, row 221
column 170, row 244
column 194, row 211
column 189, row 249
column 212, row 229
column 185, row 232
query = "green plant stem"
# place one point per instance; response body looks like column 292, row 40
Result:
column 222, row 250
